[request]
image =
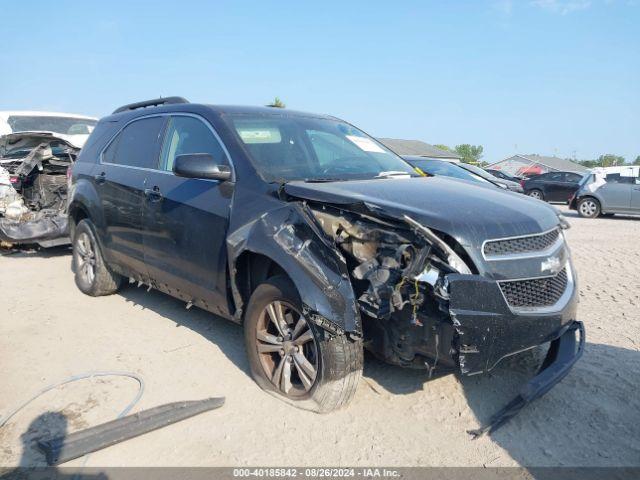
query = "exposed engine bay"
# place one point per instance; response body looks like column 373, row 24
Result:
column 33, row 187
column 398, row 270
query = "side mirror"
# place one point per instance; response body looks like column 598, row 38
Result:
column 200, row 165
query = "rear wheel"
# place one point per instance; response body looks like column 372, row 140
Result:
column 589, row 207
column 294, row 359
column 92, row 275
column 537, row 194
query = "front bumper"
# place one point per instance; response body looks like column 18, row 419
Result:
column 488, row 330
column 563, row 353
column 47, row 230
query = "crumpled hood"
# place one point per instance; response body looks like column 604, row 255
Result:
column 30, row 140
column 11, row 139
column 471, row 214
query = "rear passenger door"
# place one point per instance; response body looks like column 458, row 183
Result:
column 571, row 183
column 120, row 181
column 186, row 219
column 554, row 186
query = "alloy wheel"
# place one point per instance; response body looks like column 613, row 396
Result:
column 86, row 258
column 535, row 194
column 287, row 349
column 588, row 208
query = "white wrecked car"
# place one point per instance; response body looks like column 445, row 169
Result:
column 36, row 149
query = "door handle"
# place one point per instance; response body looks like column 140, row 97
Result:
column 153, row 194
column 101, row 178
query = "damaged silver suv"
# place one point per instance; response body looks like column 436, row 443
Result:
column 321, row 241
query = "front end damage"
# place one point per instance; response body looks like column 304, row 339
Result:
column 33, row 188
column 424, row 304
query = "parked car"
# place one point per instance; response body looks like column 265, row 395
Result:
column 607, row 191
column 503, row 175
column 36, row 149
column 454, row 169
column 320, row 241
column 507, row 184
column 447, row 168
column 552, row 186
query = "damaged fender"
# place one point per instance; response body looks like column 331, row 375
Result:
column 290, row 237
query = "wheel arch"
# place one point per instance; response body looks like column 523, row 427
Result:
column 590, row 197
column 252, row 269
column 287, row 240
column 85, row 203
column 77, row 213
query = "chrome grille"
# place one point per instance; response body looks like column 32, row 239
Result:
column 533, row 243
column 537, row 292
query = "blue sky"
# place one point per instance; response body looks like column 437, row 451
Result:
column 543, row 76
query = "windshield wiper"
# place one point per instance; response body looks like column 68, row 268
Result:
column 323, row 180
column 393, row 173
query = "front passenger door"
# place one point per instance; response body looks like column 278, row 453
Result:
column 616, row 193
column 186, row 219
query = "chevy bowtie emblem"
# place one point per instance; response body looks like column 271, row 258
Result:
column 552, row 264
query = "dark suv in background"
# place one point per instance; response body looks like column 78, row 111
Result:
column 320, row 241
column 553, row 186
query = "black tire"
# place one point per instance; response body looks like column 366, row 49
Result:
column 589, row 207
column 87, row 256
column 536, row 193
column 337, row 359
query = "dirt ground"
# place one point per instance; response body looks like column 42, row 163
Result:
column 49, row 331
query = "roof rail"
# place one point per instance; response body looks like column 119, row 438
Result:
column 151, row 103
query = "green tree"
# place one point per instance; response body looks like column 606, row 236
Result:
column 443, row 147
column 637, row 160
column 610, row 160
column 469, row 153
column 589, row 163
column 277, row 103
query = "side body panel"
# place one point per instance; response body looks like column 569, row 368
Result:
column 615, row 197
column 635, row 196
column 185, row 227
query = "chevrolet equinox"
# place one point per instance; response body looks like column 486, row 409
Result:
column 321, row 242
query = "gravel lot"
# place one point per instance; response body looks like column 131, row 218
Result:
column 49, row 331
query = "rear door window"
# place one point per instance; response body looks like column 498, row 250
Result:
column 573, row 177
column 190, row 135
column 137, row 145
column 109, row 154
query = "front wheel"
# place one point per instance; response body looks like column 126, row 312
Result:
column 293, row 358
column 589, row 207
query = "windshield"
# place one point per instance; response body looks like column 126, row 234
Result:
column 447, row 169
column 314, row 149
column 62, row 125
column 480, row 172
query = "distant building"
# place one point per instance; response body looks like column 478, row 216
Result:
column 416, row 147
column 527, row 165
